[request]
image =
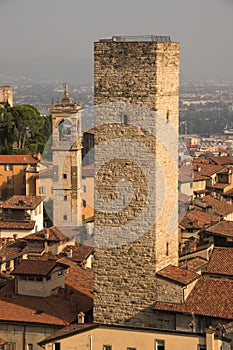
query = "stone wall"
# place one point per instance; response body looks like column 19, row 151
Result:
column 146, row 74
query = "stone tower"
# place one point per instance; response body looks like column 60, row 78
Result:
column 67, row 158
column 142, row 71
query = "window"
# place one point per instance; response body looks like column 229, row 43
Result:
column 167, row 249
column 64, row 217
column 48, row 278
column 8, row 167
column 30, row 346
column 42, row 189
column 31, row 278
column 65, row 198
column 84, row 189
column 125, row 119
column 131, row 349
column 8, row 179
column 201, row 347
column 159, row 345
column 64, row 176
column 84, row 203
column 107, row 347
column 57, row 346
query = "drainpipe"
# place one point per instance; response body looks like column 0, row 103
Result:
column 90, row 342
column 24, row 338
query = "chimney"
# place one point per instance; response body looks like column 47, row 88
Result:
column 46, row 235
column 81, row 317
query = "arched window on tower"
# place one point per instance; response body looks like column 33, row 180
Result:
column 64, row 130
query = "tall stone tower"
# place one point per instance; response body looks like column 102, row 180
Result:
column 67, row 166
column 141, row 71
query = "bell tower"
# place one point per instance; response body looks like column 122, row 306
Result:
column 67, row 156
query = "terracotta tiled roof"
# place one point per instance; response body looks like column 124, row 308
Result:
column 18, row 159
column 68, row 331
column 198, row 177
column 206, row 169
column 80, row 252
column 36, row 267
column 22, row 202
column 197, row 219
column 222, row 228
column 194, row 264
column 52, row 310
column 178, row 275
column 220, row 262
column 218, row 207
column 54, row 235
column 185, row 176
column 16, row 225
column 78, row 278
column 11, row 248
column 211, row 297
column 219, row 185
column 222, row 160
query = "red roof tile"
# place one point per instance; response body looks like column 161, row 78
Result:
column 222, row 228
column 218, row 207
column 54, row 235
column 206, row 169
column 178, row 275
column 78, row 278
column 222, row 160
column 196, row 219
column 220, row 262
column 17, row 159
column 36, row 267
column 68, row 331
column 16, row 225
column 211, row 297
column 194, row 264
column 198, row 177
column 52, row 310
column 22, row 202
column 80, row 252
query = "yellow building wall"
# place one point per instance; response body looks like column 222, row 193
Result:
column 17, row 181
column 123, row 339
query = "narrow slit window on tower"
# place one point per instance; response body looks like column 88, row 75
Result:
column 125, row 119
column 65, row 198
column 64, row 217
column 167, row 249
column 64, row 176
column 168, row 114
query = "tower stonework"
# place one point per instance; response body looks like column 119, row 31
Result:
column 67, row 158
column 141, row 71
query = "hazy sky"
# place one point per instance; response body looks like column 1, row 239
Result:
column 54, row 38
